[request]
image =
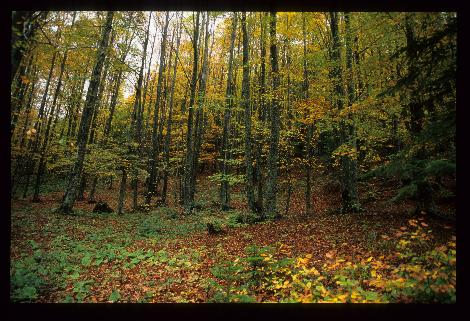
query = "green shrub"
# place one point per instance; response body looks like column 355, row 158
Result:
column 169, row 213
column 151, row 226
column 237, row 219
column 26, row 280
column 214, row 225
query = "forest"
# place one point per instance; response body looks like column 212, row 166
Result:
column 207, row 156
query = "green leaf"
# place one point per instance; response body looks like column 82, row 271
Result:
column 86, row 260
column 29, row 292
column 371, row 296
column 115, row 296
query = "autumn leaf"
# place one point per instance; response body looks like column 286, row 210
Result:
column 24, row 79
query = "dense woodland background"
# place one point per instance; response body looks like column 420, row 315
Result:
column 231, row 121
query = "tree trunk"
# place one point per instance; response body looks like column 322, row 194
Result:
column 424, row 191
column 122, row 192
column 246, row 105
column 224, row 186
column 76, row 172
column 42, row 161
column 308, row 167
column 31, row 164
column 271, row 184
column 200, row 114
column 170, row 114
column 19, row 92
column 187, row 200
column 154, row 153
column 138, row 105
column 350, row 199
column 348, row 181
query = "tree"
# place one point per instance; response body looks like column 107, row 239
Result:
column 246, row 105
column 151, row 183
column 224, row 186
column 310, row 129
column 24, row 26
column 137, row 114
column 347, row 141
column 189, row 161
column 271, row 184
column 75, row 174
column 170, row 114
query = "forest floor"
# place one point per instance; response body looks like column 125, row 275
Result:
column 162, row 256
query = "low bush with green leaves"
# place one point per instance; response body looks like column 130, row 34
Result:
column 214, row 225
column 238, row 219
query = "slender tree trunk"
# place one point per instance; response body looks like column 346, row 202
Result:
column 42, row 161
column 138, row 106
column 154, row 153
column 349, row 164
column 76, row 172
column 246, row 105
column 20, row 163
column 170, row 114
column 200, row 114
column 224, row 187
column 188, row 165
column 76, row 109
column 261, row 118
column 271, row 184
column 308, row 167
column 122, row 192
column 19, row 92
column 424, row 191
column 31, row 164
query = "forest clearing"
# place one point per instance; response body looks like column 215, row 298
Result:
column 209, row 157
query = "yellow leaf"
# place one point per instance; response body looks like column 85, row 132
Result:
column 342, row 297
column 369, row 259
column 373, row 273
column 24, row 80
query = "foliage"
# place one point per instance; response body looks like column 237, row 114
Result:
column 238, row 219
column 268, row 275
